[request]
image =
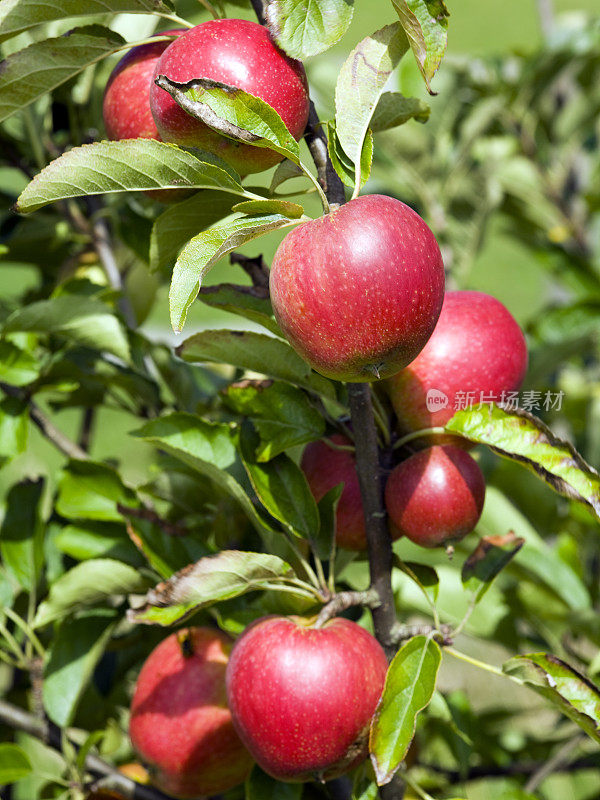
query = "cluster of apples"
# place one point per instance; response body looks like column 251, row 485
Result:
column 202, row 712
column 230, row 51
column 360, row 294
column 435, row 496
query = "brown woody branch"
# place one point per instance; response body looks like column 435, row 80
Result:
column 368, row 465
column 51, row 735
column 259, row 10
column 60, row 440
column 317, row 144
column 379, row 540
column 255, row 268
column 150, row 515
column 344, row 600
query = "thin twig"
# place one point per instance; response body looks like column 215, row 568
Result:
column 255, row 268
column 150, row 515
column 546, row 14
column 340, row 602
column 443, row 634
column 60, row 440
column 18, row 719
column 555, row 762
column 103, row 247
column 85, row 432
column 511, row 769
column 317, row 144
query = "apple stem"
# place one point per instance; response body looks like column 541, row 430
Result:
column 418, row 435
column 318, row 187
column 210, row 8
column 340, row 602
column 177, row 20
column 186, row 643
column 379, row 540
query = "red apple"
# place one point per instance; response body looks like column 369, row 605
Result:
column 477, row 347
column 241, row 54
column 358, row 292
column 126, row 104
column 180, row 724
column 326, row 467
column 436, row 496
column 302, row 698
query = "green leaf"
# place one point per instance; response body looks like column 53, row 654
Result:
column 409, row 686
column 204, row 250
column 88, row 584
column 323, row 543
column 536, row 558
column 343, row 165
column 577, row 697
column 211, row 580
column 207, row 448
column 90, row 539
column 283, row 207
column 17, row 367
column 14, row 764
column 164, row 552
column 20, row 15
column 22, row 533
column 260, row 786
column 426, row 25
column 363, row 787
column 128, row 165
column 256, row 352
column 393, row 109
column 423, row 575
column 488, row 559
column 41, row 67
column 521, row 436
column 50, row 766
column 75, row 650
column 233, row 113
column 14, row 427
column 360, row 84
column 178, row 223
column 567, row 323
column 282, row 488
column 282, row 415
column 284, row 171
column 84, row 320
column 305, row 28
column 90, row 490
column 250, row 302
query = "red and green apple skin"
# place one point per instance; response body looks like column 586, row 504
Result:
column 436, row 496
column 126, row 103
column 358, row 291
column 302, row 698
column 241, row 54
column 477, row 347
column 326, row 467
column 180, row 725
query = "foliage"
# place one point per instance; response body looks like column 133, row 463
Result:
column 143, row 483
